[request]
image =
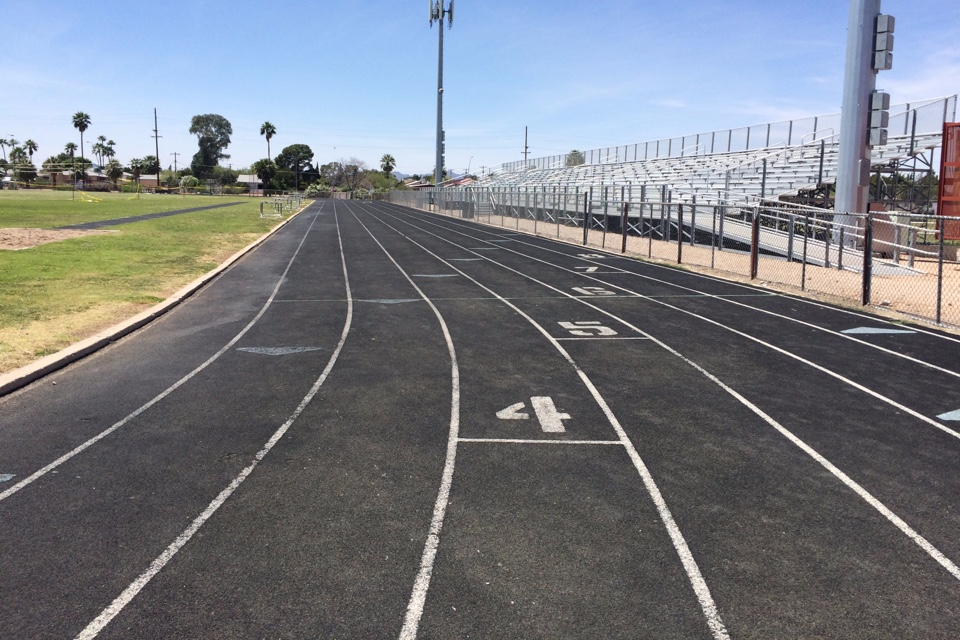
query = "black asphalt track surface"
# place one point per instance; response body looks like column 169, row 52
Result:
column 388, row 424
column 98, row 224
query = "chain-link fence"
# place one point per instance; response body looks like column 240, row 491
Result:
column 897, row 261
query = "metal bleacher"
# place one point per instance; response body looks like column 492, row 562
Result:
column 741, row 171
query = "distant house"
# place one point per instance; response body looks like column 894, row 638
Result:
column 253, row 183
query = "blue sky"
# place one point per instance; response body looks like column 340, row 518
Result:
column 358, row 79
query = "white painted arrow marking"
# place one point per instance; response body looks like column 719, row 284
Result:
column 587, row 269
column 551, row 420
column 277, row 351
column 591, row 256
column 513, row 412
column 875, row 331
column 7, row 477
column 950, row 415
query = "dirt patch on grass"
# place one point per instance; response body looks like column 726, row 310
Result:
column 14, row 239
column 24, row 344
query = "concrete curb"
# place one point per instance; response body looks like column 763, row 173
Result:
column 21, row 377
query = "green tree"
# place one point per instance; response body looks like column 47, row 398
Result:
column 31, row 148
column 80, row 122
column 151, row 166
column 293, row 162
column 136, row 168
column 268, row 130
column 3, row 145
column 114, row 172
column 213, row 136
column 575, row 158
column 388, row 164
column 265, row 169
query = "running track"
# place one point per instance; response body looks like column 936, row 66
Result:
column 387, row 424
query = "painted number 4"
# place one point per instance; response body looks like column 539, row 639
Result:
column 587, row 329
column 551, row 420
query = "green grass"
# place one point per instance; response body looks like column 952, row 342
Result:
column 110, row 276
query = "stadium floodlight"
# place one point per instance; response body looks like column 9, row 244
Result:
column 437, row 13
column 864, row 115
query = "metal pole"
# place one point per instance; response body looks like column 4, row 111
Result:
column 860, row 79
column 680, row 233
column 940, row 270
column 806, row 236
column 867, row 259
column 755, row 244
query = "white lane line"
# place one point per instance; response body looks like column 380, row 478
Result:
column 108, row 614
column 528, row 441
column 434, row 275
column 421, row 584
column 913, row 535
column 393, row 301
column 103, row 434
column 700, row 588
column 729, row 298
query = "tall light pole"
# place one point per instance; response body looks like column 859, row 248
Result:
column 437, row 12
column 863, row 118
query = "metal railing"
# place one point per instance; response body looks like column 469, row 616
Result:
column 895, row 261
column 924, row 117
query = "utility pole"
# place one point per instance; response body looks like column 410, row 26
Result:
column 863, row 119
column 437, row 12
column 175, row 154
column 156, row 140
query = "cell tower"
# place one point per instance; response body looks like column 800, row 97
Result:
column 437, row 13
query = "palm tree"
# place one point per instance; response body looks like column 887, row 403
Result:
column 80, row 122
column 31, row 147
column 114, row 172
column 387, row 163
column 267, row 129
column 3, row 145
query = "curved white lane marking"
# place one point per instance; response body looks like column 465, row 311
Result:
column 912, row 534
column 694, row 575
column 176, row 385
column 421, row 585
column 121, row 601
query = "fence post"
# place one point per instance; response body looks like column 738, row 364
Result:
column 755, row 244
column 680, row 233
column 940, row 270
column 840, row 250
column 586, row 212
column 792, row 218
column 623, row 225
column 806, row 236
column 867, row 258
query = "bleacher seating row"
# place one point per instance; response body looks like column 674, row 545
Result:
column 733, row 177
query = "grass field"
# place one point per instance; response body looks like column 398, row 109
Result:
column 55, row 294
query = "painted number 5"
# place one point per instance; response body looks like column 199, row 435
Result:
column 589, row 329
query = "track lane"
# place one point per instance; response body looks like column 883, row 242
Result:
column 664, row 589
column 890, row 598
